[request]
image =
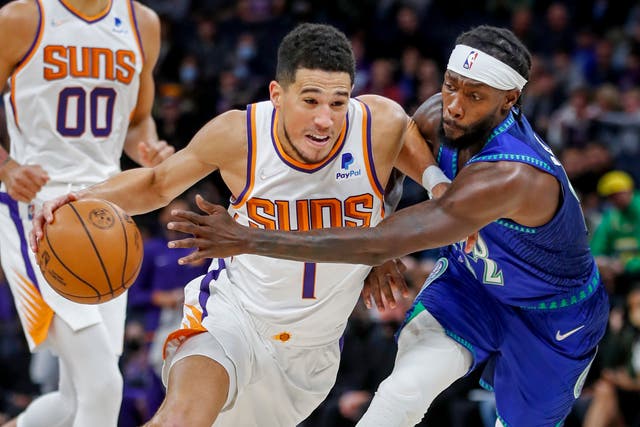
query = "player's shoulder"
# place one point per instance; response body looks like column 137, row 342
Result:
column 148, row 24
column 146, row 18
column 18, row 28
column 223, row 141
column 428, row 116
column 19, row 18
column 231, row 124
column 384, row 109
column 20, row 9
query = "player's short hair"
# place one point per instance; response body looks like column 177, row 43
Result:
column 500, row 43
column 315, row 47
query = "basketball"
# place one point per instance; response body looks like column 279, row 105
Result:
column 91, row 252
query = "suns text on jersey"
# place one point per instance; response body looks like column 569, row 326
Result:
column 89, row 62
column 307, row 214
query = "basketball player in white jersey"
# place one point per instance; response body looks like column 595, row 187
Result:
column 80, row 90
column 259, row 343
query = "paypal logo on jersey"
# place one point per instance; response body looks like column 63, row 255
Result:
column 347, row 171
column 118, row 27
column 347, row 160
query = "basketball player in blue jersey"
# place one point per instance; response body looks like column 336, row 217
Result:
column 80, row 91
column 527, row 300
column 259, row 340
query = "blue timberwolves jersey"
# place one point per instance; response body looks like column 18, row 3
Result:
column 542, row 267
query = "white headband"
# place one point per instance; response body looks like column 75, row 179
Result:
column 477, row 65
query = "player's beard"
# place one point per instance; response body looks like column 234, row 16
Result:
column 476, row 133
column 300, row 154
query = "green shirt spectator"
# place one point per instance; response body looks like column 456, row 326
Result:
column 616, row 240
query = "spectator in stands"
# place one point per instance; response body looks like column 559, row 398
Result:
column 616, row 240
column 616, row 394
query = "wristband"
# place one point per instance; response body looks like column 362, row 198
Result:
column 433, row 176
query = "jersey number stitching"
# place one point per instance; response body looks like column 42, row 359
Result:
column 101, row 104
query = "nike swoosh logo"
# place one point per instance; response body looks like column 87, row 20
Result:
column 561, row 337
column 264, row 176
column 58, row 22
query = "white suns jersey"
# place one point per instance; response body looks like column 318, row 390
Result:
column 72, row 95
column 314, row 299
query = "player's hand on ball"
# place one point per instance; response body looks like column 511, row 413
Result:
column 45, row 215
column 381, row 282
column 214, row 234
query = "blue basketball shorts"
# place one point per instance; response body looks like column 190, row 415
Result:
column 536, row 360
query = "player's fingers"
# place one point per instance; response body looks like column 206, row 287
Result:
column 398, row 279
column 25, row 188
column 166, row 152
column 21, row 194
column 387, row 290
column 157, row 151
column 400, row 265
column 184, row 227
column 189, row 216
column 143, row 148
column 471, row 242
column 366, row 297
column 377, row 294
column 399, row 282
column 34, row 235
column 37, row 173
column 206, row 205
column 194, row 257
column 49, row 207
column 366, row 292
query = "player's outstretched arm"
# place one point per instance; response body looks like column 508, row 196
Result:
column 482, row 193
column 220, row 143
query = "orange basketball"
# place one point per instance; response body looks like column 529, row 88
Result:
column 91, row 252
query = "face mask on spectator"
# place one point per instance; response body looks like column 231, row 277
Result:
column 245, row 52
column 188, row 74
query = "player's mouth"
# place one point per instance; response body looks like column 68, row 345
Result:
column 318, row 140
column 450, row 126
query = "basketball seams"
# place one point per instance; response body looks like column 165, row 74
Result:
column 89, row 299
column 95, row 248
column 62, row 263
column 126, row 242
column 99, row 241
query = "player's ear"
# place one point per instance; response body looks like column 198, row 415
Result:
column 510, row 99
column 275, row 93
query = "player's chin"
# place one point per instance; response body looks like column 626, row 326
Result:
column 314, row 155
column 452, row 132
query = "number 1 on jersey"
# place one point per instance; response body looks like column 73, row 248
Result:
column 309, row 280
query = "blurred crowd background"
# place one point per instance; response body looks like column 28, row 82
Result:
column 583, row 98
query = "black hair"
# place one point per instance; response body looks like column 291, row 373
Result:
column 316, row 47
column 500, row 43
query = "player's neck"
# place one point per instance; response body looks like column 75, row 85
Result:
column 89, row 7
